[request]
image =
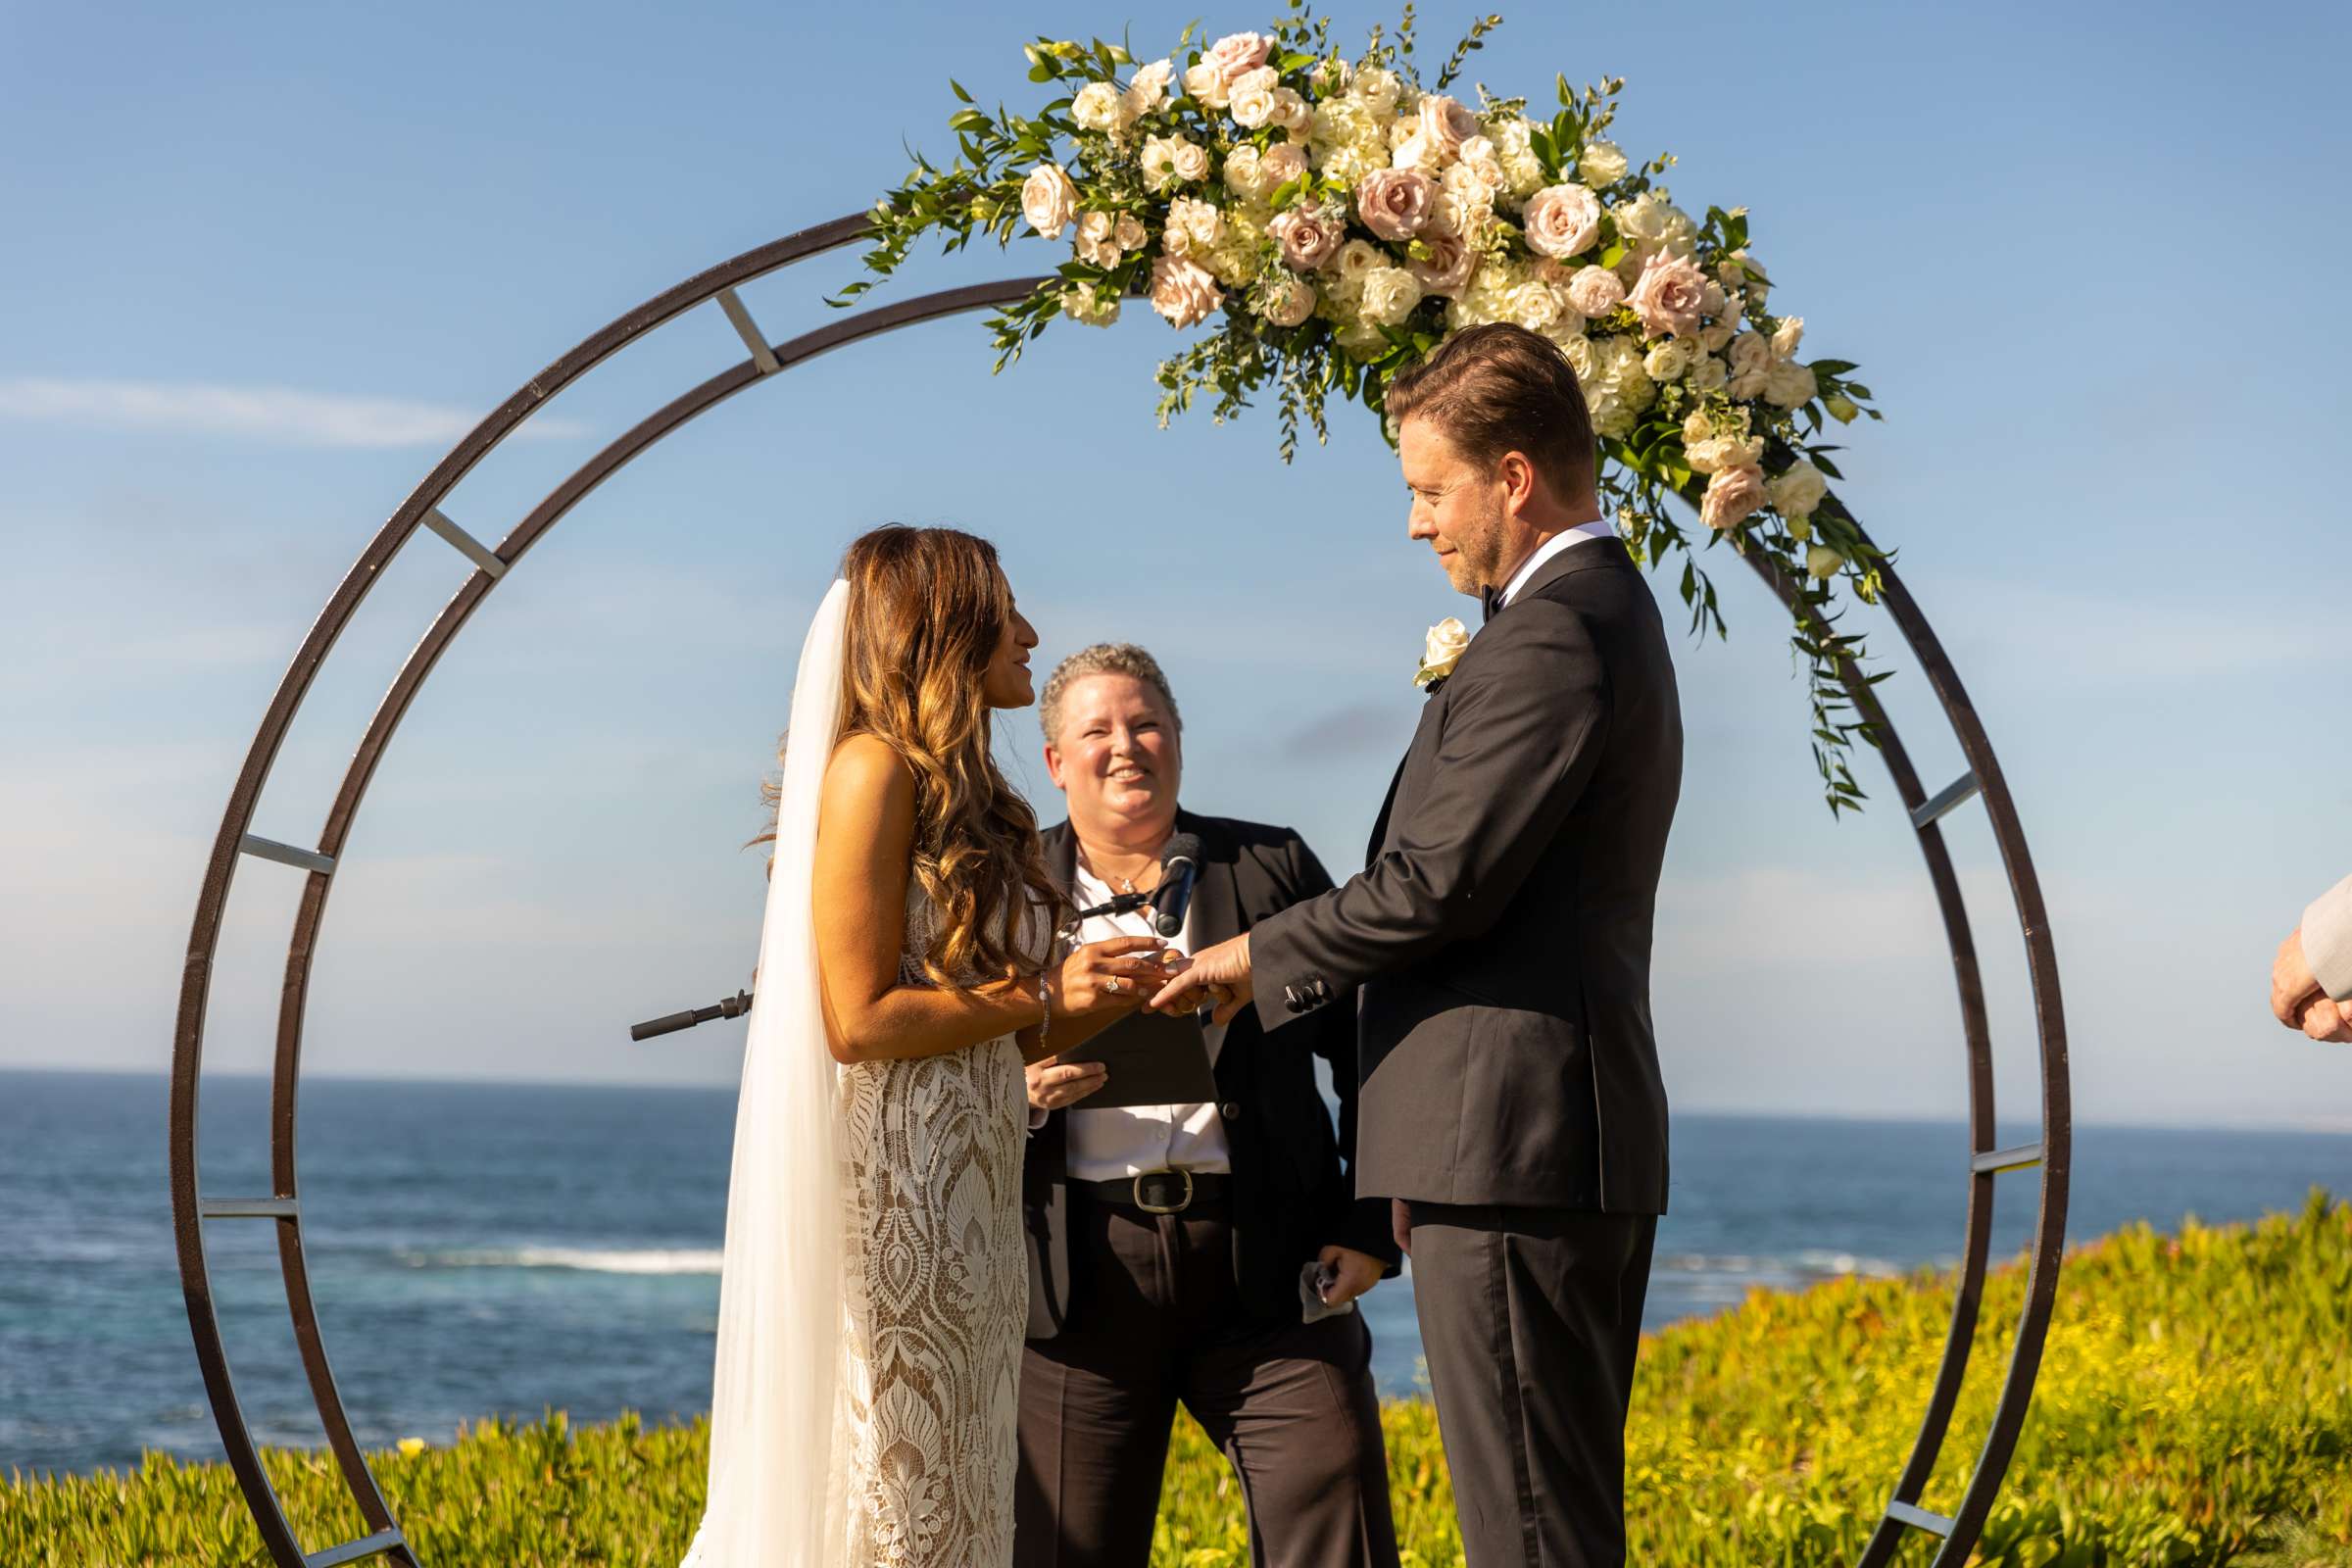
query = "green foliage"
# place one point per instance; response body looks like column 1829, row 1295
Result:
column 1103, row 150
column 2194, row 1408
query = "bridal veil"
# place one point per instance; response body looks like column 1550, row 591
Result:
column 776, row 1448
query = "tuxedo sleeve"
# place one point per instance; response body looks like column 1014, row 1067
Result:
column 2327, row 941
column 1527, row 715
column 1361, row 1224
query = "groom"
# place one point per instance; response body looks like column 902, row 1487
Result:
column 1500, row 935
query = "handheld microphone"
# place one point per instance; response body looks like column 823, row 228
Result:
column 1179, row 863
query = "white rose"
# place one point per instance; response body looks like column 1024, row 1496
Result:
column 1205, row 85
column 1170, row 161
column 1718, row 453
column 1667, row 360
column 1582, row 359
column 1390, row 295
column 1202, row 224
column 1290, row 300
column 1602, row 163
column 1129, row 233
column 1561, row 220
column 1190, row 160
column 1097, row 245
column 1088, row 306
column 1788, row 384
column 1786, row 336
column 1596, row 291
column 1245, row 172
column 1377, row 90
column 1290, row 111
column 1441, row 650
column 1183, row 291
column 1533, row 306
column 1717, row 333
column 1148, row 88
column 1048, row 200
column 1751, row 363
column 1797, row 492
column 1099, row 106
column 1708, row 373
column 1253, row 97
column 1358, row 260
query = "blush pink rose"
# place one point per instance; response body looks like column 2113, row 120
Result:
column 1732, row 496
column 1395, row 203
column 1449, row 266
column 1280, row 165
column 1183, row 290
column 1670, row 296
column 1308, row 236
column 1236, row 55
column 1445, row 125
column 1561, row 220
column 1596, row 291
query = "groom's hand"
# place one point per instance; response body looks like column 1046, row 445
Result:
column 1217, row 977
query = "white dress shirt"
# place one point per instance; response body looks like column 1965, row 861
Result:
column 1565, row 540
column 1128, row 1140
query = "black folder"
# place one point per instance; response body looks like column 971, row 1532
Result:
column 1156, row 1058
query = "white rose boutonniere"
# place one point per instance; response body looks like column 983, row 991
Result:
column 1440, row 652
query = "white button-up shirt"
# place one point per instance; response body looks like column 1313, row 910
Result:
column 1128, row 1140
column 1567, row 539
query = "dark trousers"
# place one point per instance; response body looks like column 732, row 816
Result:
column 1157, row 1321
column 1530, row 1319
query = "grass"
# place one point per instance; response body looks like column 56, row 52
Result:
column 2195, row 1407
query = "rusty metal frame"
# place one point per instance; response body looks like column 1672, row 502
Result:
column 283, row 1205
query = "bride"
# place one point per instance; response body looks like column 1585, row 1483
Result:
column 873, row 1291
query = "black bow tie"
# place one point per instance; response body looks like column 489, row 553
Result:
column 1490, row 599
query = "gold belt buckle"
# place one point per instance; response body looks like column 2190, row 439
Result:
column 1159, row 1208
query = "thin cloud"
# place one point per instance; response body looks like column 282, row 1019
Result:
column 288, row 416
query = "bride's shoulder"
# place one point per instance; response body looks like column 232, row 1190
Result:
column 868, row 763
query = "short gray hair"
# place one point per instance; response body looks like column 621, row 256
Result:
column 1102, row 659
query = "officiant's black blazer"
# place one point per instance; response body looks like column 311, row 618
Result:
column 1500, row 931
column 1293, row 1192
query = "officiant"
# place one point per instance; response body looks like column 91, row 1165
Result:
column 1204, row 1253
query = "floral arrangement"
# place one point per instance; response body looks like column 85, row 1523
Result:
column 1334, row 220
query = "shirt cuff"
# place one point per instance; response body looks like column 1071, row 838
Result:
column 1037, row 1117
column 2328, row 941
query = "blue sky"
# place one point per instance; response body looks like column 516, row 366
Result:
column 264, row 264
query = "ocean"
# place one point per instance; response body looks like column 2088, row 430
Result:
column 500, row 1248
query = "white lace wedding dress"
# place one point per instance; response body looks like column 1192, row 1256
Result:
column 937, row 1293
column 873, row 1288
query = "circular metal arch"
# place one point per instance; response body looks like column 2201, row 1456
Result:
column 192, row 1207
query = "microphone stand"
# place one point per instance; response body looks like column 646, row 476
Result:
column 736, row 1005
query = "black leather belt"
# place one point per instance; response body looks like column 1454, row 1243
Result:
column 1162, row 1191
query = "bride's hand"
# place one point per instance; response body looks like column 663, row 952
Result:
column 1109, row 977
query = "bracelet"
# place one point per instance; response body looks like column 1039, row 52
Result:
column 1045, row 997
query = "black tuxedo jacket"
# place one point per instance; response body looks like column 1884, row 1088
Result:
column 1293, row 1192
column 1500, row 930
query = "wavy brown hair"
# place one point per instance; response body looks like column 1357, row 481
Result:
column 928, row 609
